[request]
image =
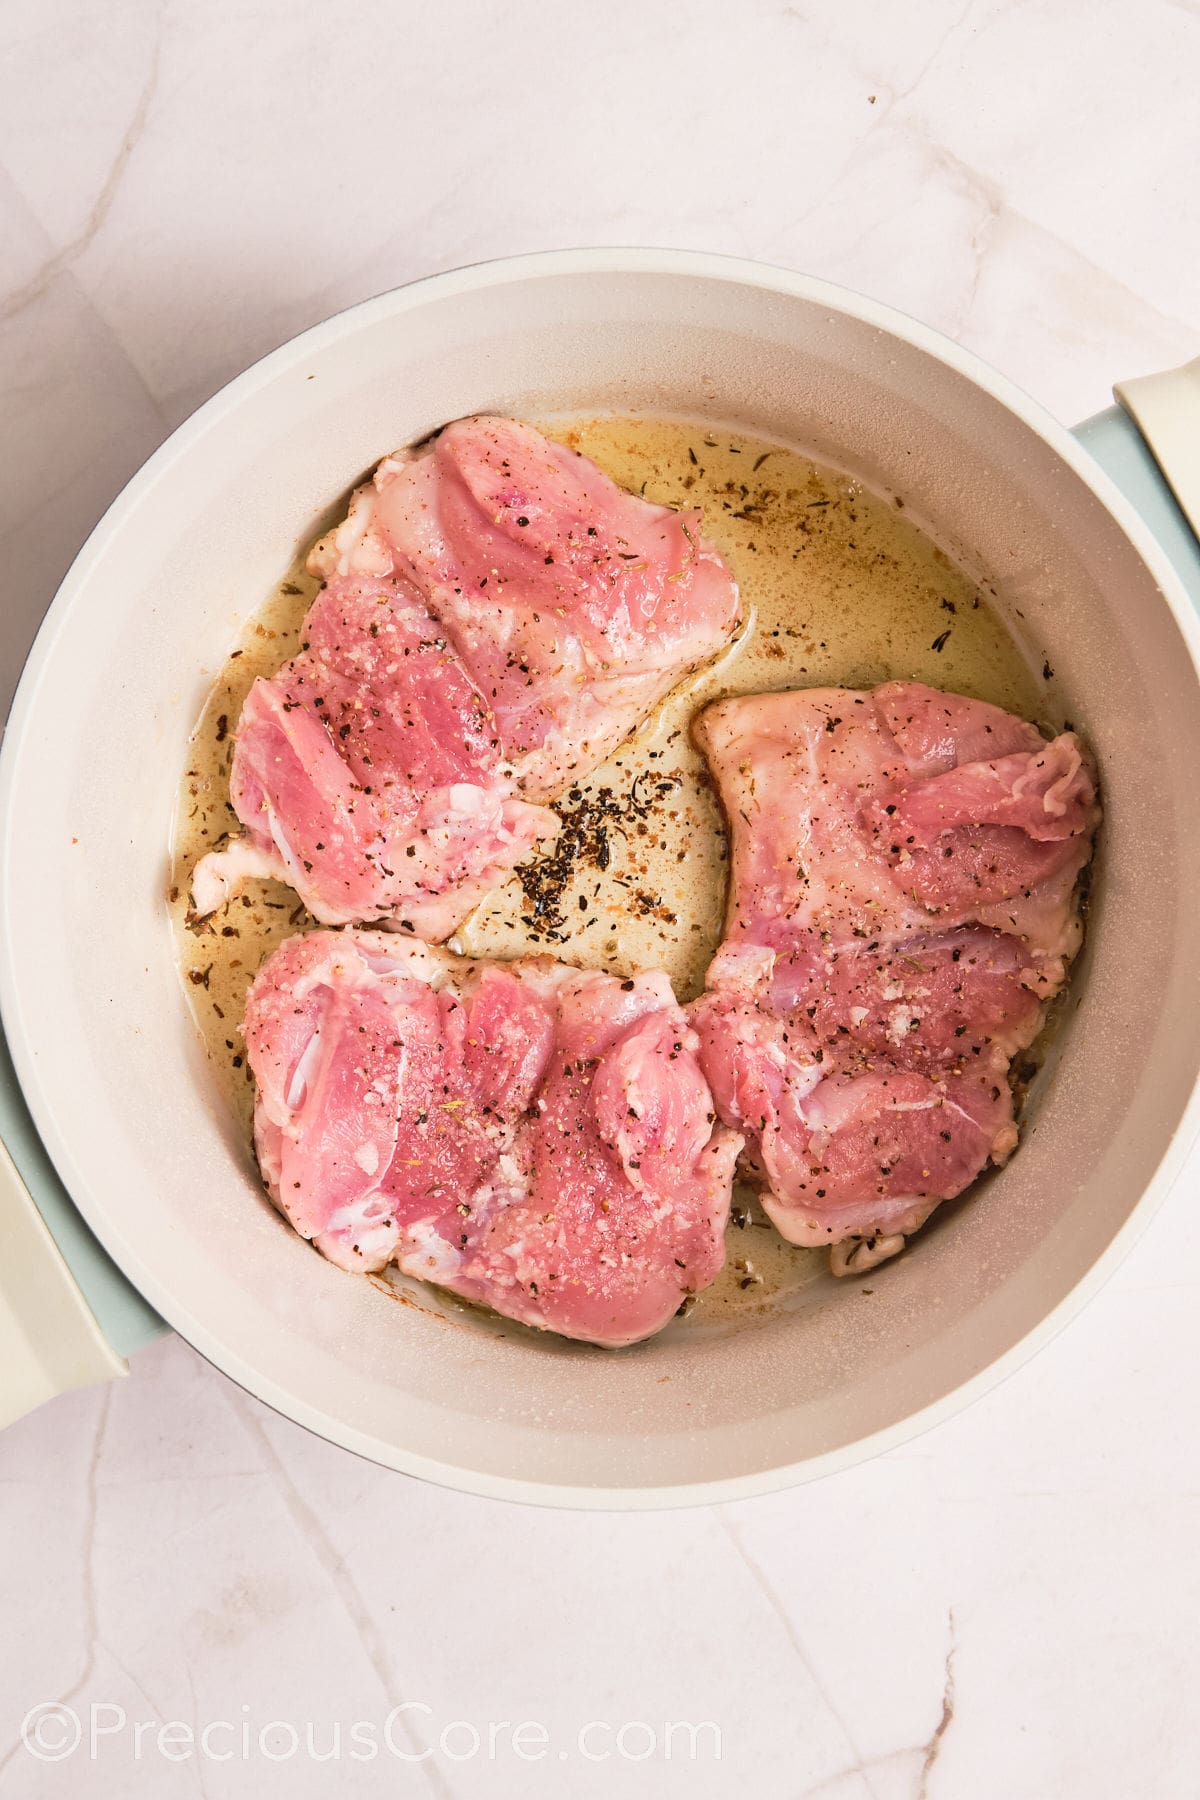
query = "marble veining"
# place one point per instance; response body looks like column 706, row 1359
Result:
column 1006, row 1607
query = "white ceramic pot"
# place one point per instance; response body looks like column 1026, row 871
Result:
column 106, row 1052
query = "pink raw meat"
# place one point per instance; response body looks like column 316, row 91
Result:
column 531, row 1136
column 367, row 773
column 903, row 904
column 498, row 615
column 574, row 605
column 807, row 779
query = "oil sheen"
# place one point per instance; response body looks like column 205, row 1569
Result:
column 839, row 587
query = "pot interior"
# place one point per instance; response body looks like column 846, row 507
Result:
column 108, row 1053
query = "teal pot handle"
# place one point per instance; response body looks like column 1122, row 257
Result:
column 1151, row 478
column 1166, row 409
column 68, row 1317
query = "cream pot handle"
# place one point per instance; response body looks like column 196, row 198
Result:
column 1166, row 409
column 49, row 1340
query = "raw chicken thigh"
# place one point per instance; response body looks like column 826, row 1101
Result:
column 498, row 615
column 531, row 1136
column 903, row 905
column 367, row 772
column 574, row 605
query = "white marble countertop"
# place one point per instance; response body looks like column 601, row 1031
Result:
column 1007, row 1607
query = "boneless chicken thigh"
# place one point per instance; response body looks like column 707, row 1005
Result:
column 852, row 816
column 368, row 775
column 534, row 1137
column 497, row 616
column 903, row 904
column 574, row 605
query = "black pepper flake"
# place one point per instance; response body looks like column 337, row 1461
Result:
column 585, row 841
